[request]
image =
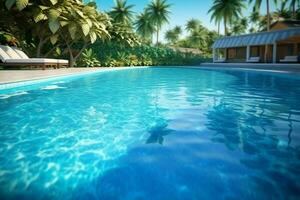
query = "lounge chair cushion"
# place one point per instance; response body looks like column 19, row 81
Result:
column 20, row 53
column 3, row 55
column 290, row 59
column 60, row 61
column 10, row 52
column 36, row 61
column 253, row 59
column 220, row 60
column 33, row 61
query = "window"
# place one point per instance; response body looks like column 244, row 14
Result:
column 254, row 52
column 231, row 53
column 290, row 49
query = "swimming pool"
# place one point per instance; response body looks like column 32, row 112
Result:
column 152, row 133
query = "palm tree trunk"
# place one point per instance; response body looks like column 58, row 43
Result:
column 218, row 28
column 294, row 10
column 268, row 28
column 157, row 35
column 225, row 26
column 268, row 15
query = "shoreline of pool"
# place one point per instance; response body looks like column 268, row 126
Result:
column 19, row 78
column 270, row 67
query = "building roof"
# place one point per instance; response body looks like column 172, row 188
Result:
column 261, row 38
column 288, row 23
column 186, row 50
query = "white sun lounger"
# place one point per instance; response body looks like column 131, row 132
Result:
column 253, row 60
column 220, row 60
column 11, row 56
column 289, row 59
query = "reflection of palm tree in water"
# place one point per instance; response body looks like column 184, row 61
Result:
column 290, row 130
column 160, row 130
column 157, row 134
column 224, row 121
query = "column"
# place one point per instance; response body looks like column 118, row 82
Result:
column 274, row 52
column 214, row 55
column 248, row 53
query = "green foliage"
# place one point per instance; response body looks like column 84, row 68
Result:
column 88, row 59
column 172, row 35
column 226, row 10
column 192, row 24
column 158, row 11
column 115, row 54
column 144, row 27
column 121, row 12
column 123, row 33
column 239, row 26
column 8, row 39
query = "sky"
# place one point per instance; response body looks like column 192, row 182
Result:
column 181, row 11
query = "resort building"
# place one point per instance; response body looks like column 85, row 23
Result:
column 280, row 45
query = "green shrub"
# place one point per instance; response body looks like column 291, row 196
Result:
column 115, row 54
column 88, row 59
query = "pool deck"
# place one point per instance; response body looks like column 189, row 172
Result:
column 278, row 67
column 13, row 76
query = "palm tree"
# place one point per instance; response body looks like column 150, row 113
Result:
column 144, row 27
column 198, row 38
column 173, row 35
column 282, row 12
column 294, row 4
column 254, row 18
column 177, row 30
column 158, row 11
column 226, row 10
column 122, row 13
column 170, row 36
column 257, row 6
column 239, row 26
column 192, row 24
column 237, row 29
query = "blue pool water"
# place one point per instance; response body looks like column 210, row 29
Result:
column 152, row 133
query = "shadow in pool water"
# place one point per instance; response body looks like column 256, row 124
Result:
column 276, row 164
column 190, row 167
column 185, row 167
column 158, row 133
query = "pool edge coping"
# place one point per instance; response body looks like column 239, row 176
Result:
column 31, row 81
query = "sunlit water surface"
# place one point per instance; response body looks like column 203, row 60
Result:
column 153, row 133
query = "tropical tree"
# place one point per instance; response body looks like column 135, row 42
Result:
column 123, row 34
column 293, row 5
column 177, row 30
column 20, row 4
column 84, row 29
column 144, row 27
column 254, row 18
column 173, row 35
column 226, row 10
column 239, row 26
column 68, row 24
column 198, row 38
column 282, row 12
column 158, row 11
column 257, row 6
column 217, row 18
column 121, row 12
column 192, row 25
